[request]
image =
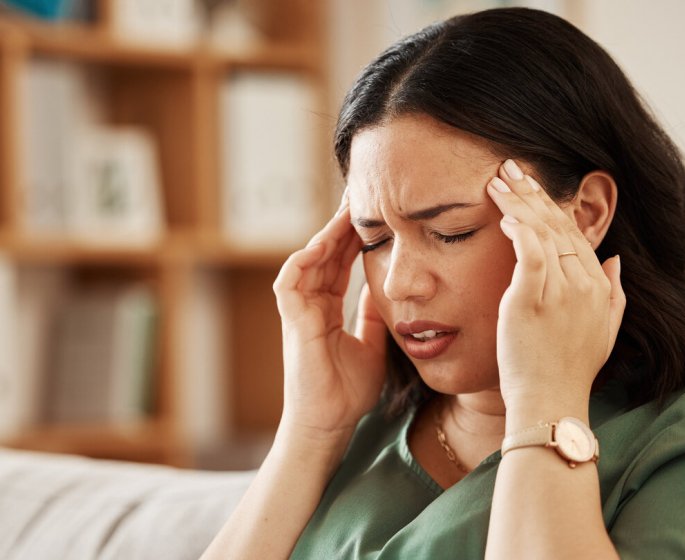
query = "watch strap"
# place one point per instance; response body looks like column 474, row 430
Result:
column 543, row 434
column 540, row 434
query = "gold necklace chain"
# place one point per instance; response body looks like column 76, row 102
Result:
column 442, row 440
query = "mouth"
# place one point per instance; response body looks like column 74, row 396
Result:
column 428, row 335
column 424, row 340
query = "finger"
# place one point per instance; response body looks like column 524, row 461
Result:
column 322, row 277
column 530, row 273
column 617, row 299
column 559, row 233
column 350, row 253
column 528, row 191
column 344, row 201
column 336, row 228
column 288, row 298
column 329, row 236
column 566, row 234
column 334, row 271
column 551, row 227
column 531, row 192
column 579, row 243
column 370, row 327
column 353, row 250
column 510, row 204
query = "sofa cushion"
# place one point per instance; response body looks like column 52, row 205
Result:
column 66, row 507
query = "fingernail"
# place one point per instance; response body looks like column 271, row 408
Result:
column 513, row 170
column 510, row 219
column 499, row 185
column 618, row 260
column 533, row 183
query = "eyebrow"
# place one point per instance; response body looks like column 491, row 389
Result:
column 419, row 215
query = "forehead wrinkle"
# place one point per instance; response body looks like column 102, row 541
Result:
column 419, row 215
column 380, row 177
column 393, row 167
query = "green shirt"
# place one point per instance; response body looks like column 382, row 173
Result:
column 381, row 504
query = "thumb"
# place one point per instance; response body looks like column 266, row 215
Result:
column 617, row 298
column 370, row 327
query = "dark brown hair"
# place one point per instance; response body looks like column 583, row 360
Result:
column 538, row 89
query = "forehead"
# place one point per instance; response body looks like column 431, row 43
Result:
column 413, row 160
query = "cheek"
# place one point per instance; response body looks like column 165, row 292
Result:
column 482, row 276
column 495, row 269
column 375, row 271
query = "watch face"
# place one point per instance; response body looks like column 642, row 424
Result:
column 574, row 439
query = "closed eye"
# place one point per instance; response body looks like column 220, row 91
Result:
column 449, row 239
column 456, row 238
column 372, row 246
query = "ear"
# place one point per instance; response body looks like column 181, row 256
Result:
column 594, row 206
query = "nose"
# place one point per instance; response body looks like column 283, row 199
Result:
column 409, row 275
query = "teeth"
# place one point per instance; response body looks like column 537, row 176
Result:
column 425, row 335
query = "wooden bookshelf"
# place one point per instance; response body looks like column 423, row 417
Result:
column 174, row 94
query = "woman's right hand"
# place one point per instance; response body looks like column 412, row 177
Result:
column 332, row 378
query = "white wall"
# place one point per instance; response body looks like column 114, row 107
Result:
column 646, row 40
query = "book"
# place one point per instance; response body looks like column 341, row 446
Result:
column 131, row 387
column 103, row 357
column 98, row 183
column 47, row 9
column 204, row 360
column 40, row 291
column 268, row 156
column 57, row 100
column 11, row 415
column 82, row 10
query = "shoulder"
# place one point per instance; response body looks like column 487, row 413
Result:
column 650, row 518
column 642, row 469
column 643, row 438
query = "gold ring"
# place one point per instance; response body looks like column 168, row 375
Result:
column 567, row 253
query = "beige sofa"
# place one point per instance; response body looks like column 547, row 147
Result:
column 57, row 507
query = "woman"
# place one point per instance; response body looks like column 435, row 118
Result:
column 496, row 166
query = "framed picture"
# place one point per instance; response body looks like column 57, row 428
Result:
column 113, row 192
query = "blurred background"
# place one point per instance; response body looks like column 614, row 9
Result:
column 159, row 159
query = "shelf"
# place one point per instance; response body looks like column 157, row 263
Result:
column 86, row 44
column 40, row 250
column 95, row 46
column 172, row 249
column 221, row 253
column 65, row 252
column 146, row 441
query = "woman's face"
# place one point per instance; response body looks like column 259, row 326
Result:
column 436, row 260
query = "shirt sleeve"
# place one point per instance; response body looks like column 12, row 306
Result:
column 651, row 523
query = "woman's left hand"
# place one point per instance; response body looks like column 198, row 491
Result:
column 559, row 318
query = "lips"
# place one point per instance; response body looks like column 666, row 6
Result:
column 424, row 340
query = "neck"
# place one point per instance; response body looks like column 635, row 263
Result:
column 479, row 414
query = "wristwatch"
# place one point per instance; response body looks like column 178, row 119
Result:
column 571, row 438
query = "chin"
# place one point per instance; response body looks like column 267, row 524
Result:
column 451, row 378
